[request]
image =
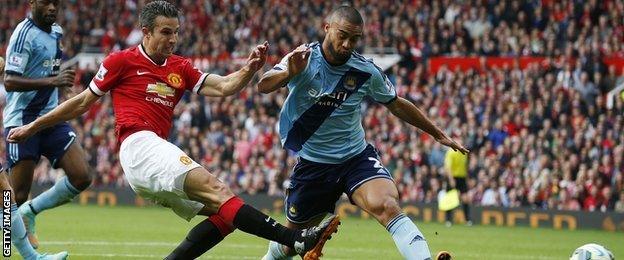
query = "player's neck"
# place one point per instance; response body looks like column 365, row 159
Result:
column 151, row 53
column 41, row 25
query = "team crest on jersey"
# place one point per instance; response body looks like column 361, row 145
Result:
column 185, row 160
column 292, row 210
column 350, row 83
column 160, row 89
column 175, row 80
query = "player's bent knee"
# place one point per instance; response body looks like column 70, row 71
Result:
column 220, row 189
column 202, row 186
column 387, row 208
column 21, row 196
column 81, row 181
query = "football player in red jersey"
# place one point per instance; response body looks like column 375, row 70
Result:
column 146, row 82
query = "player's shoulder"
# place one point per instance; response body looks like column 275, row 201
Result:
column 22, row 30
column 56, row 28
column 128, row 53
column 23, row 26
column 314, row 45
column 24, row 34
column 121, row 58
column 178, row 60
column 360, row 62
column 315, row 48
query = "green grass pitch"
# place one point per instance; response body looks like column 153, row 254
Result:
column 92, row 232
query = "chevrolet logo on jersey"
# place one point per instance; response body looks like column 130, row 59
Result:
column 161, row 89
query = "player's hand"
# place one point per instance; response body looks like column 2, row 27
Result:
column 64, row 79
column 445, row 140
column 298, row 60
column 20, row 134
column 257, row 58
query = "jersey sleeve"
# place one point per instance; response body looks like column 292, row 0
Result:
column 380, row 88
column 283, row 65
column 17, row 54
column 193, row 77
column 108, row 75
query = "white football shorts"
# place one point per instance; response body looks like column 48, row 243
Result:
column 156, row 169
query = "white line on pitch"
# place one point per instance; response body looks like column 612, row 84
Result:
column 170, row 244
column 159, row 256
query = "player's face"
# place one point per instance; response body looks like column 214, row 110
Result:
column 164, row 37
column 45, row 10
column 343, row 37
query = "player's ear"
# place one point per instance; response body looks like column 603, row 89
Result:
column 146, row 31
column 326, row 27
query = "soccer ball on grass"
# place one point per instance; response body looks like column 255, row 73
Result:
column 592, row 252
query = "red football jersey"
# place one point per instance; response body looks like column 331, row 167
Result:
column 143, row 92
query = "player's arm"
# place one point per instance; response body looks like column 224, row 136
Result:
column 292, row 64
column 67, row 110
column 16, row 83
column 106, row 78
column 411, row 114
column 222, row 86
column 17, row 62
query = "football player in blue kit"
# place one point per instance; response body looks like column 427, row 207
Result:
column 321, row 121
column 32, row 81
column 19, row 239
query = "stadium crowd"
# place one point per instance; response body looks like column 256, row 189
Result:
column 540, row 136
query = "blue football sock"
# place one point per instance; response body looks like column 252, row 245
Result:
column 18, row 235
column 61, row 193
column 276, row 252
column 408, row 239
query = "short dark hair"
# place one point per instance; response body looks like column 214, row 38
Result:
column 349, row 13
column 154, row 9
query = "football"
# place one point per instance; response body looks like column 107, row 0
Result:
column 592, row 252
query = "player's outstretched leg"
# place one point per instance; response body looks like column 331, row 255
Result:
column 379, row 197
column 201, row 186
column 18, row 231
column 201, row 238
column 64, row 190
column 277, row 251
column 61, row 193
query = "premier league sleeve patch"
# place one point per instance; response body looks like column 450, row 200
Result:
column 15, row 60
column 101, row 73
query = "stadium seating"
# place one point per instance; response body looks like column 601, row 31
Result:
column 541, row 135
